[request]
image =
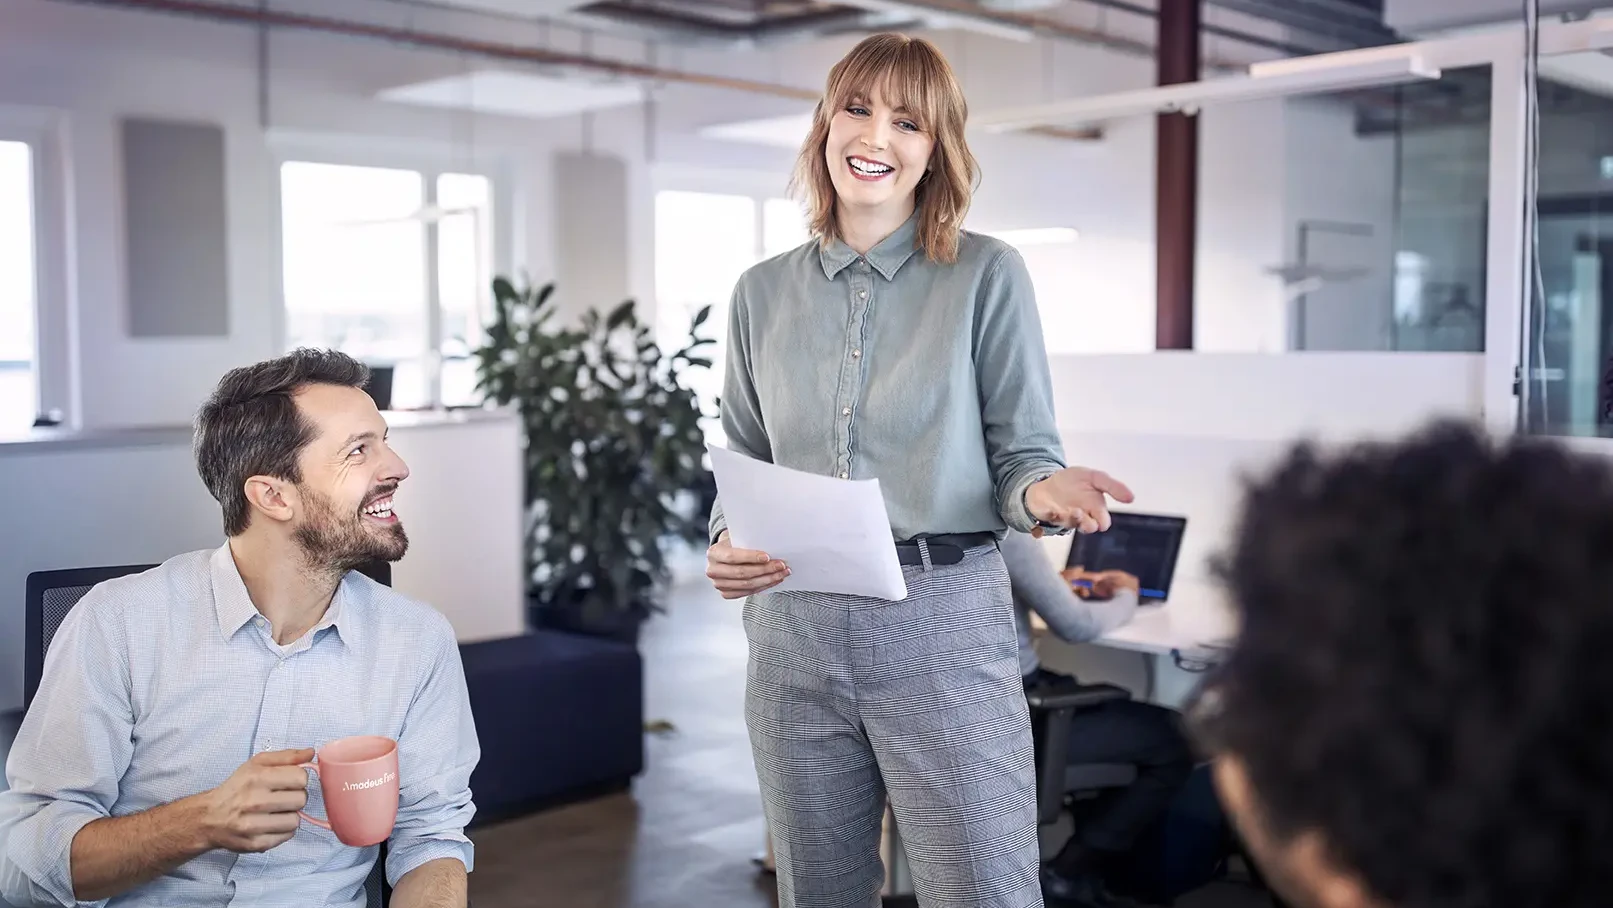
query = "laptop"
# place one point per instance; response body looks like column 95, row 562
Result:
column 1144, row 545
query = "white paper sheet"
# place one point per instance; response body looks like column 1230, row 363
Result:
column 834, row 534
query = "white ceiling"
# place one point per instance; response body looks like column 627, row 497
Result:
column 520, row 94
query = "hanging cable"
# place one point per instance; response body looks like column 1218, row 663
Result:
column 1534, row 301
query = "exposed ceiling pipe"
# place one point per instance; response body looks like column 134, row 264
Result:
column 1220, row 31
column 654, row 24
column 1029, row 25
column 1025, row 25
column 1329, row 18
column 268, row 18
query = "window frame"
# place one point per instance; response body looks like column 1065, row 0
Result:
column 44, row 131
column 431, row 162
column 758, row 186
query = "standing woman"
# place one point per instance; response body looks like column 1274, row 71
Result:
column 897, row 346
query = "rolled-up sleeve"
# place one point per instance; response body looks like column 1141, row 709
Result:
column 741, row 407
column 72, row 750
column 437, row 751
column 1016, row 387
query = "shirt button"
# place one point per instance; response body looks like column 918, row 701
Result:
column 862, row 294
column 856, row 354
column 845, row 411
column 843, row 475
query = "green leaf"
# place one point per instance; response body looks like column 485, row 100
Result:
column 701, row 316
column 619, row 316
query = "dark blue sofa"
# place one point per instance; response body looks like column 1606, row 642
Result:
column 560, row 718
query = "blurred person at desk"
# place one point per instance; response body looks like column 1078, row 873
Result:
column 1080, row 606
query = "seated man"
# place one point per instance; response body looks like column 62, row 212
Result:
column 159, row 762
column 1416, row 712
column 1144, row 735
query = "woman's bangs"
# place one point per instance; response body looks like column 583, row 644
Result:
column 901, row 79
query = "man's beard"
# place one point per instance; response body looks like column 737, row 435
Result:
column 337, row 543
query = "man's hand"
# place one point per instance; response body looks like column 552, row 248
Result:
column 256, row 807
column 1075, row 497
column 254, row 810
column 737, row 573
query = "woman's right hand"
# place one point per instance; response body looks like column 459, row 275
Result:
column 737, row 573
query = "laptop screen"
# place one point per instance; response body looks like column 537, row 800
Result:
column 1144, row 545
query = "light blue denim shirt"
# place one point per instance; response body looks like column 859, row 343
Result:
column 932, row 378
column 159, row 685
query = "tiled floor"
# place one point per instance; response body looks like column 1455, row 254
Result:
column 686, row 833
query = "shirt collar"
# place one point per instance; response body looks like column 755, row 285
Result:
column 235, row 608
column 887, row 257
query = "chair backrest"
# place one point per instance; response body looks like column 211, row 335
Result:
column 51, row 595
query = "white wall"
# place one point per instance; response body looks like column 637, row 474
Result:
column 1263, row 396
column 141, row 503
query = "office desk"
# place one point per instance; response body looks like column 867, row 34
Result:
column 1195, row 623
column 1178, row 641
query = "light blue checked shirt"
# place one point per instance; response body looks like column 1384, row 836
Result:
column 160, row 685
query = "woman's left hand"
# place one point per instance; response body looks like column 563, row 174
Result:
column 1075, row 497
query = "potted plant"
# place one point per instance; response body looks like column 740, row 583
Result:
column 614, row 448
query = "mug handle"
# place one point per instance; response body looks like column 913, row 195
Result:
column 314, row 767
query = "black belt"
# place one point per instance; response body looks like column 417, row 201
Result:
column 944, row 549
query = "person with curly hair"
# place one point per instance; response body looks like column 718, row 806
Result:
column 1416, row 713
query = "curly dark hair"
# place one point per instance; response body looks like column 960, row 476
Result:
column 251, row 426
column 1423, row 675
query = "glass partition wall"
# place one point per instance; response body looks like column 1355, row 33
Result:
column 1464, row 205
column 1569, row 327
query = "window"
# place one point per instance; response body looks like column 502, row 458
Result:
column 18, row 393
column 361, row 276
column 703, row 242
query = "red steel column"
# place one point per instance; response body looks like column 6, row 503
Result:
column 1177, row 180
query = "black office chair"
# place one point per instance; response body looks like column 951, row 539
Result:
column 52, row 594
column 1058, row 784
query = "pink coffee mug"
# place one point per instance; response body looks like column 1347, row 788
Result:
column 359, row 779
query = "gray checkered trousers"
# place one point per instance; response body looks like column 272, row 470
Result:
column 851, row 699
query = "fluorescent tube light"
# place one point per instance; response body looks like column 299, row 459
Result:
column 1190, row 97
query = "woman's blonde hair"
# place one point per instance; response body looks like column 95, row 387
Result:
column 912, row 74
